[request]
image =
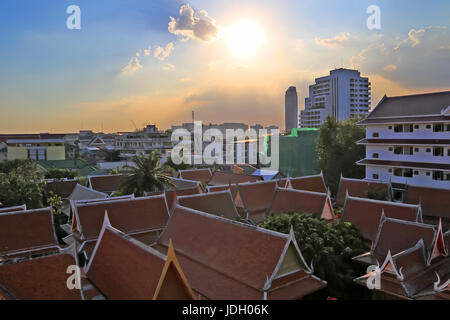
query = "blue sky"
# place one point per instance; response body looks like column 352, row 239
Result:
column 59, row 80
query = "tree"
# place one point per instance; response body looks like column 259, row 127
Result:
column 61, row 174
column 338, row 152
column 176, row 167
column 329, row 247
column 377, row 194
column 147, row 175
column 20, row 184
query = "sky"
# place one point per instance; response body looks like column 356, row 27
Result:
column 154, row 62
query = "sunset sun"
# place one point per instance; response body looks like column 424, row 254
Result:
column 245, row 38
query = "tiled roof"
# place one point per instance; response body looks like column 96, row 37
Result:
column 221, row 178
column 224, row 259
column 357, row 188
column 183, row 184
column 63, row 188
column 310, row 183
column 255, row 198
column 43, row 278
column 122, row 268
column 131, row 216
column 286, row 200
column 201, row 175
column 15, row 208
column 232, row 188
column 27, row 232
column 434, row 202
column 217, row 203
column 109, row 183
column 82, row 193
column 365, row 214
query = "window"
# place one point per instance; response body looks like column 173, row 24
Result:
column 398, row 172
column 438, row 175
column 448, row 152
column 448, row 127
column 416, row 150
column 408, row 173
column 428, row 126
column 398, row 150
column 375, row 155
column 390, row 127
column 416, row 126
column 438, row 127
column 447, row 176
column 408, row 150
column 438, row 151
column 375, row 176
column 408, row 128
column 428, row 174
column 428, row 150
column 375, row 135
column 398, row 128
column 390, row 170
column 390, row 148
column 416, row 173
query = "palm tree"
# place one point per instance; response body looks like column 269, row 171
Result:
column 147, row 175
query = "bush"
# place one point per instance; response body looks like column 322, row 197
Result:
column 377, row 194
column 61, row 174
column 329, row 247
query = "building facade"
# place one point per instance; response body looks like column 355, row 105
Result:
column 408, row 141
column 342, row 94
column 40, row 147
column 291, row 109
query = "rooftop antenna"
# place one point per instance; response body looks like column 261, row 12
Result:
column 193, row 116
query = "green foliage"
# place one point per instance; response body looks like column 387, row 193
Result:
column 146, row 176
column 377, row 194
column 330, row 247
column 113, row 171
column 61, row 174
column 55, row 201
column 338, row 152
column 20, row 184
column 176, row 167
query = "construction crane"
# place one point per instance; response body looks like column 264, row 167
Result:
column 134, row 124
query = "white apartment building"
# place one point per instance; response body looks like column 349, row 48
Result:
column 342, row 94
column 408, row 141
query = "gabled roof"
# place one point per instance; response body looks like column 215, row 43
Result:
column 224, row 259
column 366, row 214
column 15, row 208
column 301, row 201
column 434, row 202
column 221, row 178
column 24, row 233
column 418, row 107
column 183, row 184
column 122, row 268
column 201, row 175
column 42, row 278
column 358, row 188
column 131, row 216
column 108, row 183
column 217, row 203
column 63, row 188
column 267, row 175
column 314, row 183
column 231, row 187
column 396, row 236
column 82, row 193
column 255, row 198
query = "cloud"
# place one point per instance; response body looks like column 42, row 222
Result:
column 132, row 66
column 183, row 80
column 337, row 40
column 162, row 53
column 169, row 67
column 420, row 60
column 147, row 52
column 193, row 24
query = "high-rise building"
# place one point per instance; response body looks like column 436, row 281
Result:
column 342, row 94
column 291, row 109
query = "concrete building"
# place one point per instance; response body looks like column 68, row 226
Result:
column 291, row 108
column 342, row 94
column 41, row 147
column 408, row 141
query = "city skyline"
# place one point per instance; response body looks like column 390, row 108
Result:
column 139, row 61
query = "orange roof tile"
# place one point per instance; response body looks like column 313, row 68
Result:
column 365, row 214
column 217, row 203
column 426, row 197
column 357, row 188
column 221, row 178
column 255, row 198
column 108, row 184
column 231, row 187
column 63, row 188
column 27, row 232
column 309, row 183
column 201, row 175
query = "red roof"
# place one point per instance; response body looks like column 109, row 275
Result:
column 232, row 188
column 125, row 269
column 217, row 203
column 365, row 214
column 27, row 232
column 310, row 183
column 131, row 216
column 357, row 188
column 286, row 200
column 43, row 278
column 221, row 178
column 109, row 183
column 224, row 259
column 255, row 198
column 62, row 188
column 434, row 202
column 12, row 209
column 201, row 175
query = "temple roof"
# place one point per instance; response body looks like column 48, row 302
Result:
column 310, row 183
column 220, row 178
column 201, row 175
column 108, row 183
column 217, row 203
column 434, row 202
column 357, row 188
column 255, row 198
